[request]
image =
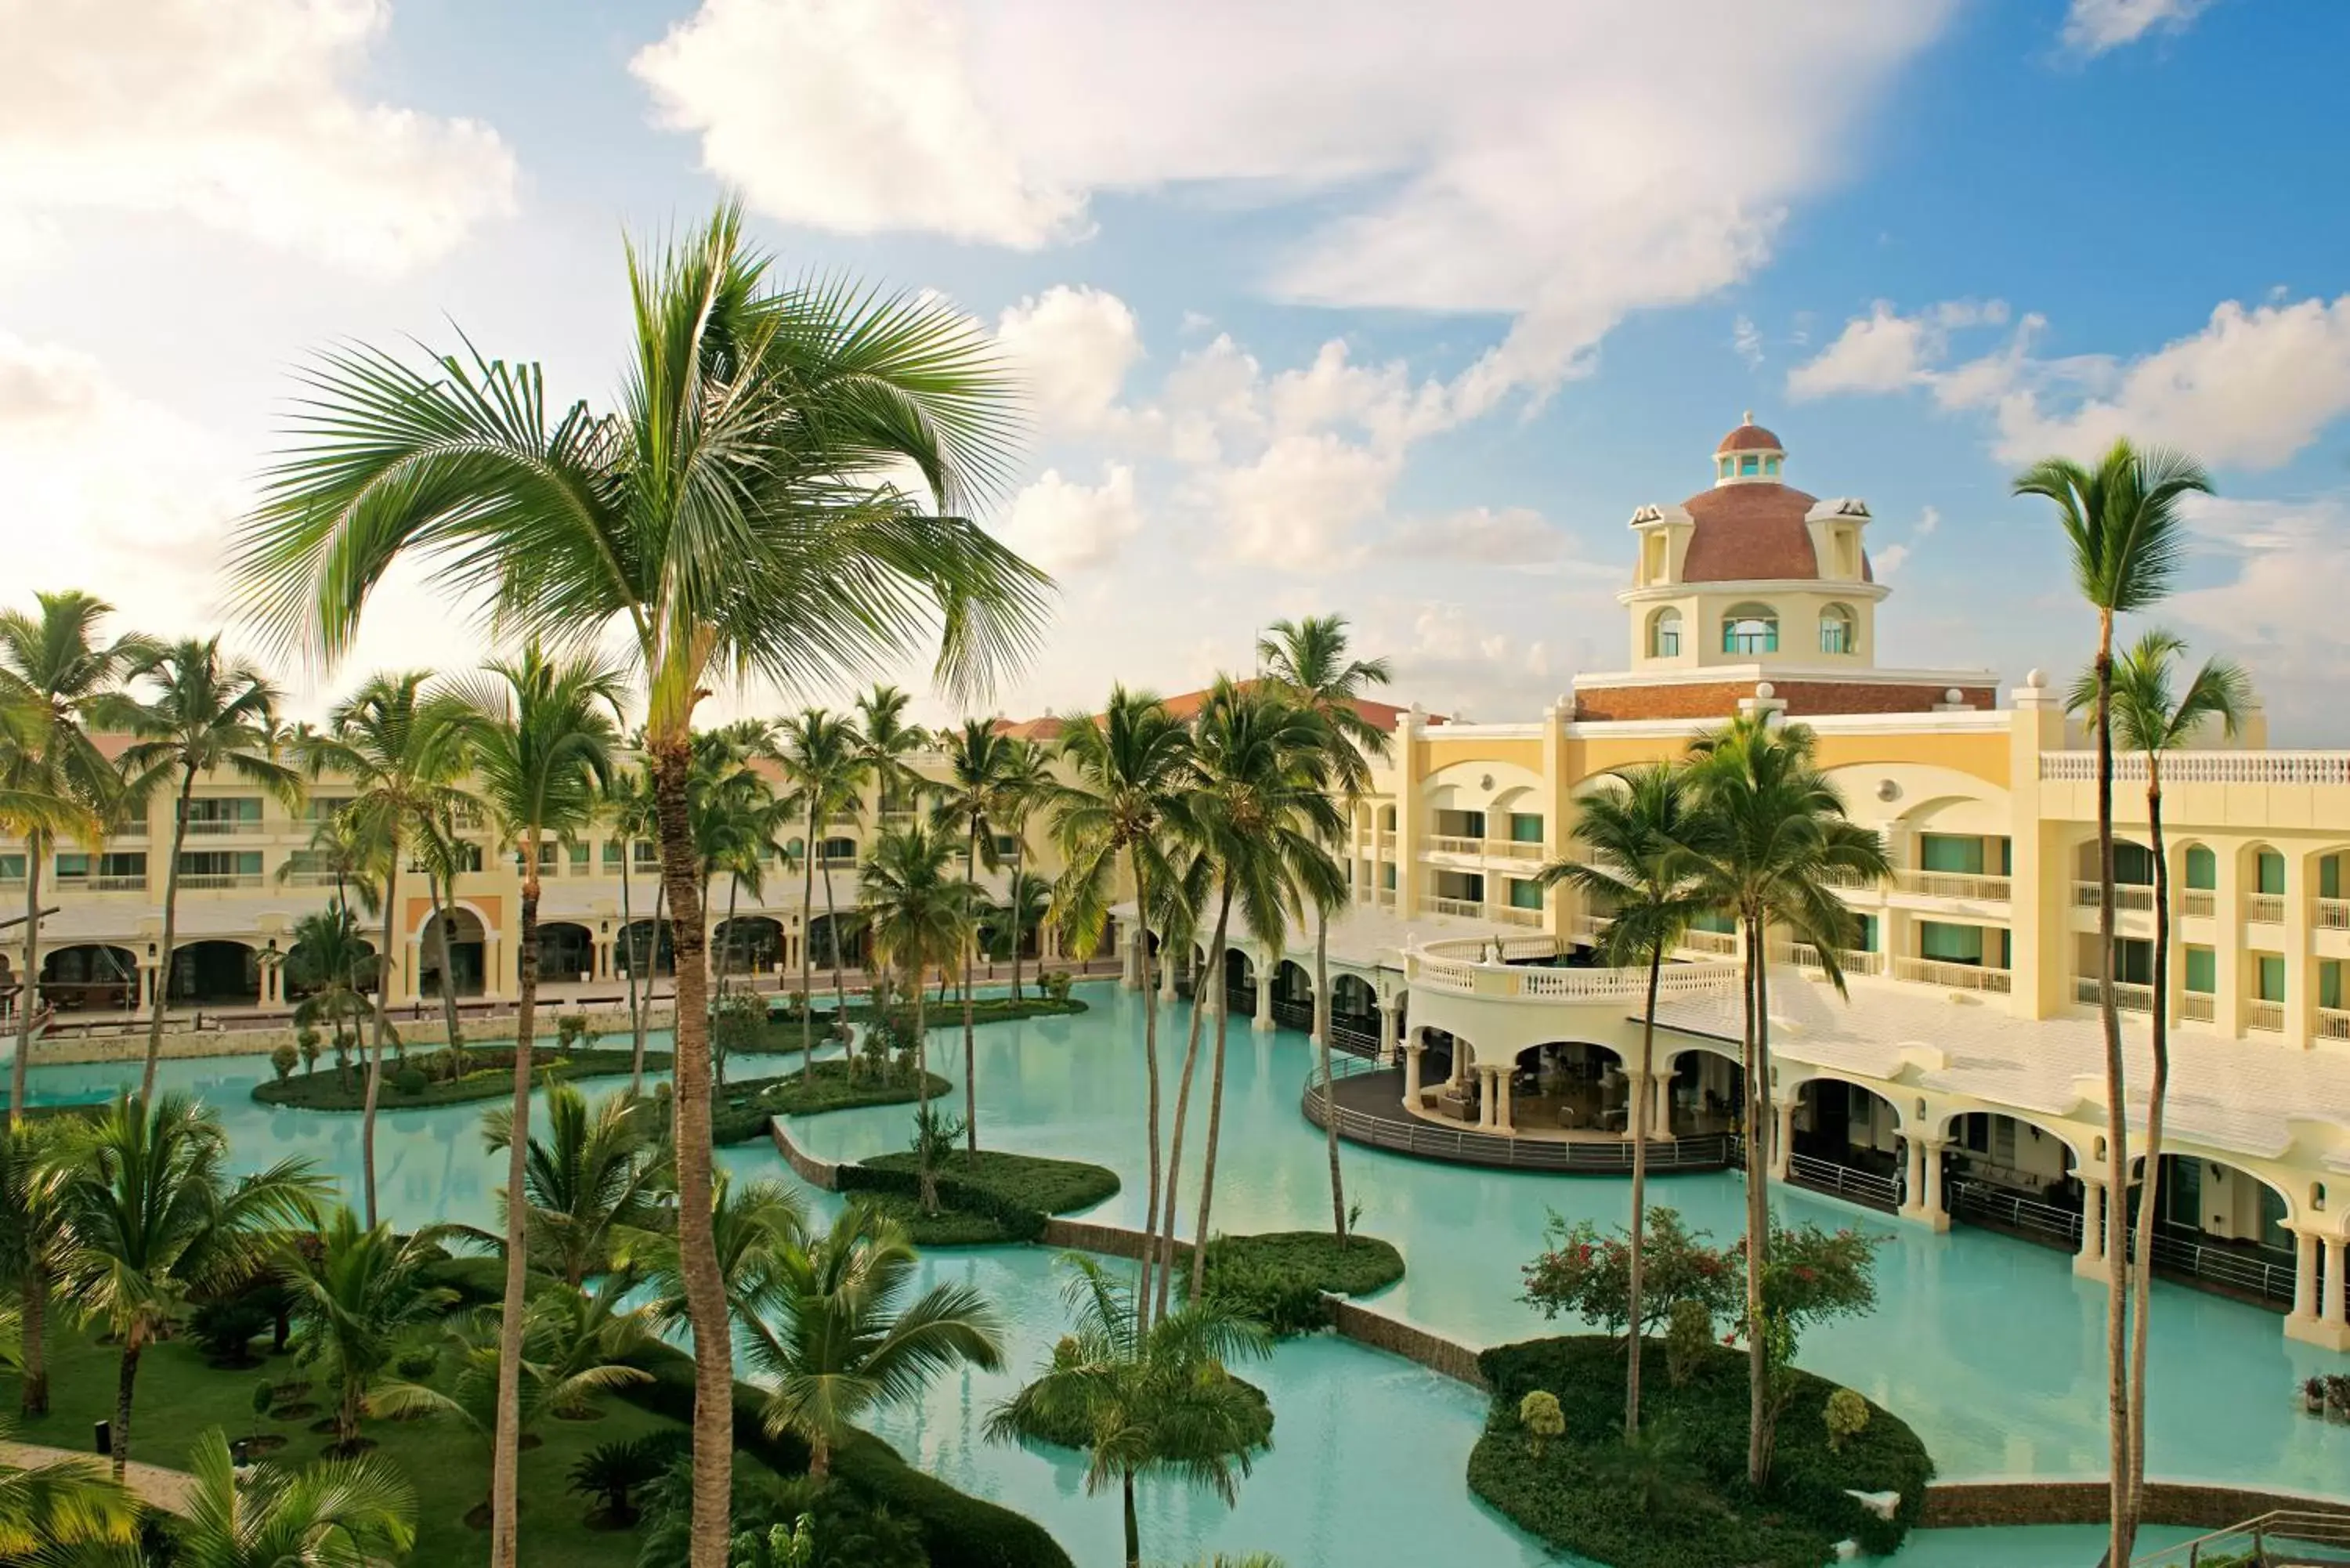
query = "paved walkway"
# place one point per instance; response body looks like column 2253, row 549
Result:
column 166, row 1490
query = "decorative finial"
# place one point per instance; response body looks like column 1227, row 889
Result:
column 1749, row 418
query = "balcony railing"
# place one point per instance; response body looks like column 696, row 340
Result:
column 2268, row 908
column 1443, row 844
column 203, row 827
column 1468, row 908
column 308, row 878
column 1387, row 897
column 1956, row 976
column 1862, row 1186
column 1512, row 849
column 1955, row 885
column 1804, row 956
column 132, row 884
column 2206, row 767
column 2128, row 997
column 1723, row 944
column 2267, row 1017
column 2199, row 1007
column 217, row 881
column 2332, row 914
column 2127, row 895
column 2334, row 1023
column 2199, row 901
column 1511, row 915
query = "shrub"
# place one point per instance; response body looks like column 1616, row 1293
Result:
column 283, row 1061
column 1279, row 1278
column 226, row 1330
column 1688, row 1337
column 1847, row 1416
column 615, row 1472
column 306, row 1044
column 411, row 1081
column 418, row 1364
column 1539, row 1414
column 570, row 1030
column 1056, row 983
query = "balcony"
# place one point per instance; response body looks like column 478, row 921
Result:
column 1439, row 844
column 217, row 881
column 299, row 879
column 1954, row 976
column 2198, row 1007
column 1955, row 885
column 215, row 827
column 2332, row 914
column 2334, row 1023
column 2127, row 895
column 1387, row 897
column 1484, row 849
column 1466, row 909
column 1804, row 956
column 2199, row 901
column 2265, row 909
column 1510, row 914
column 2128, row 997
column 132, row 884
column 2267, row 1017
column 1722, row 944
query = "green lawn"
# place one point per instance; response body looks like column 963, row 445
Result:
column 180, row 1396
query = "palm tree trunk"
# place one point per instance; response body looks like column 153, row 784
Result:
column 506, row 1435
column 807, row 957
column 652, row 958
column 1640, row 1190
column 1322, row 1040
column 839, row 984
column 1019, row 855
column 706, row 1283
column 969, row 942
column 1200, row 1233
column 2123, row 1530
column 126, row 1378
column 448, row 1023
column 33, row 1388
column 383, row 1028
column 1183, row 1097
column 1150, row 1075
column 1763, row 1127
column 28, row 990
column 2150, row 1157
column 636, row 1017
column 928, row 1176
column 1133, row 1525
column 171, row 928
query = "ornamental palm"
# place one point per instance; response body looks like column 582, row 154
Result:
column 750, row 1219
column 886, row 740
column 1308, row 659
column 834, row 1337
column 337, row 1513
column 2152, row 720
column 969, row 799
column 1640, row 870
column 359, row 1294
column 58, row 682
column 920, row 917
column 33, row 1247
column 334, row 965
column 2123, row 525
column 1151, row 1397
column 1024, row 785
column 823, row 759
column 155, row 1219
column 401, row 750
column 590, row 1186
column 53, row 1510
column 1768, row 836
column 1129, row 798
column 205, row 714
column 735, row 512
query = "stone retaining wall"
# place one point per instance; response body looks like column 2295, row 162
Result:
column 1111, row 1240
column 1380, row 1331
column 815, row 1172
column 1953, row 1504
column 428, row 1032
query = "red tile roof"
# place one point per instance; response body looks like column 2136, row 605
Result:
column 1749, row 437
column 1747, row 533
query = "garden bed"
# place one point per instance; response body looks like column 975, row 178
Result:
column 988, row 1200
column 743, row 1110
column 782, row 1033
column 1278, row 1278
column 489, row 1075
column 1682, row 1500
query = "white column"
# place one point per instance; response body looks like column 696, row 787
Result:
column 1167, row 961
column 1502, row 1076
column 2329, row 1301
column 1660, row 1119
column 1411, row 1075
column 2091, row 1259
column 1129, row 953
column 1386, row 1031
column 1266, row 970
column 1782, row 1138
column 1487, row 1101
column 1925, row 1206
column 1913, row 1186
column 2304, row 1274
column 1636, row 1092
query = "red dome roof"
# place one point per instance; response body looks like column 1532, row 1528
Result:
column 1751, row 532
column 1749, row 437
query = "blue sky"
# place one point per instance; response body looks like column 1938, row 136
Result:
column 1402, row 321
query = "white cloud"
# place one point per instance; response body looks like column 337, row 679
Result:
column 2282, row 611
column 1063, row 526
column 1073, row 347
column 1888, row 561
column 243, row 117
column 1451, row 657
column 2093, row 26
column 1301, row 504
column 1747, row 339
column 1885, row 351
column 1565, row 163
column 1512, row 537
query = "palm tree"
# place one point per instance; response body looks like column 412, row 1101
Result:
column 886, row 740
column 734, row 814
column 1150, row 1399
column 337, row 1514
column 2152, row 720
column 589, row 1187
column 834, row 1337
column 2122, row 526
column 1024, row 785
column 1640, row 872
column 543, row 736
column 629, row 803
column 751, row 1221
column 333, row 963
column 823, row 759
column 1027, row 899
column 401, row 751
column 1308, row 659
column 155, row 1219
column 920, row 917
column 55, row 1510
column 33, row 1243
column 1769, row 835
column 58, row 682
column 436, row 849
column 1128, row 800
column 735, row 511
column 969, row 799
column 1262, row 819
column 359, row 1294
column 207, row 714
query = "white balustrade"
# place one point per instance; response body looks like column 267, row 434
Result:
column 2206, row 767
column 2268, row 908
column 2128, row 998
column 1954, row 885
column 1956, row 976
column 2267, row 1017
column 2127, row 895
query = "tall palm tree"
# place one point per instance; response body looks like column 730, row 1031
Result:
column 589, row 1187
column 834, row 1335
column 401, row 749
column 920, row 917
column 56, row 1508
column 1024, row 785
column 1027, row 899
column 33, row 1246
column 1640, row 873
column 887, row 740
column 337, row 1514
column 334, row 965
column 751, row 1221
column 543, row 734
column 60, row 681
column 436, row 849
column 156, row 1219
column 823, row 759
column 2153, row 718
column 735, row 512
column 2122, row 526
column 1262, row 819
column 969, row 798
column 1308, row 659
column 205, row 714
column 359, row 1294
column 628, row 807
column 1149, row 1399
column 1125, row 806
column 1768, row 835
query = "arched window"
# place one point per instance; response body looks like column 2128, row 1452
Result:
column 1839, row 630
column 1751, row 628
column 1665, row 634
column 839, row 851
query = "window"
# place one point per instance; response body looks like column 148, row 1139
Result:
column 12, row 868
column 1949, row 944
column 1728, row 465
column 1524, row 894
column 71, row 867
column 647, row 854
column 1712, row 921
column 1006, row 845
column 1665, row 634
column 1653, row 558
column 611, row 855
column 1749, row 464
column 2133, row 864
column 1386, row 819
column 1525, row 827
column 1387, row 876
column 324, row 807
column 1751, row 628
column 1461, row 825
column 2269, row 865
column 2202, row 868
column 1839, row 630
column 579, row 858
column 2329, row 984
column 2272, row 976
column 1869, row 933
column 221, row 863
column 1771, row 466
column 2202, row 971
column 233, row 813
column 837, row 850
column 550, row 854
column 1945, row 852
column 2329, row 877
column 2133, row 960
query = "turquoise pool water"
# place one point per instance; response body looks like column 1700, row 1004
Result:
column 1990, row 1347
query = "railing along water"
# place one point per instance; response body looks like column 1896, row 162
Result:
column 2299, row 1536
column 1860, row 1187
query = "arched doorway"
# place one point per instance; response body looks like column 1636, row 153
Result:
column 1353, row 1010
column 1847, row 1141
column 642, row 953
column 749, row 944
column 2008, row 1173
column 1293, row 996
column 1569, row 1085
column 835, row 938
column 1239, row 983
column 467, row 949
column 566, row 951
column 2220, row 1227
column 90, row 976
column 215, row 974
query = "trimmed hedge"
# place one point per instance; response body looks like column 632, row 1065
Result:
column 1278, row 1278
column 1582, row 1493
column 1075, row 1436
column 997, row 1198
column 783, row 1020
column 741, row 1111
column 1054, row 1186
column 492, row 1078
column 957, row 1530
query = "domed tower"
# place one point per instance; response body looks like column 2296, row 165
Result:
column 1752, row 581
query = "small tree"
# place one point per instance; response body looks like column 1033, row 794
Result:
column 283, row 1061
column 305, row 1043
column 1688, row 1337
column 1590, row 1275
column 1539, row 1414
column 1847, row 1416
column 613, row 1473
column 737, row 1020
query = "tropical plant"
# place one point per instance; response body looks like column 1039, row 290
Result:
column 1152, row 1398
column 1128, row 799
column 204, row 714
column 834, row 1335
column 2124, row 528
column 614, row 1473
column 1636, row 866
column 360, row 1296
column 1026, row 900
column 61, row 1509
column 1847, row 1416
column 824, row 763
column 58, row 683
column 735, row 511
column 332, row 964
column 156, row 1220
column 748, row 1220
column 34, row 1243
column 2152, row 720
column 628, row 809
column 1587, row 1272
column 920, row 917
column 1541, row 1419
column 968, row 800
column 591, row 1186
column 337, row 1513
column 1770, row 843
column 1024, row 785
column 401, row 751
